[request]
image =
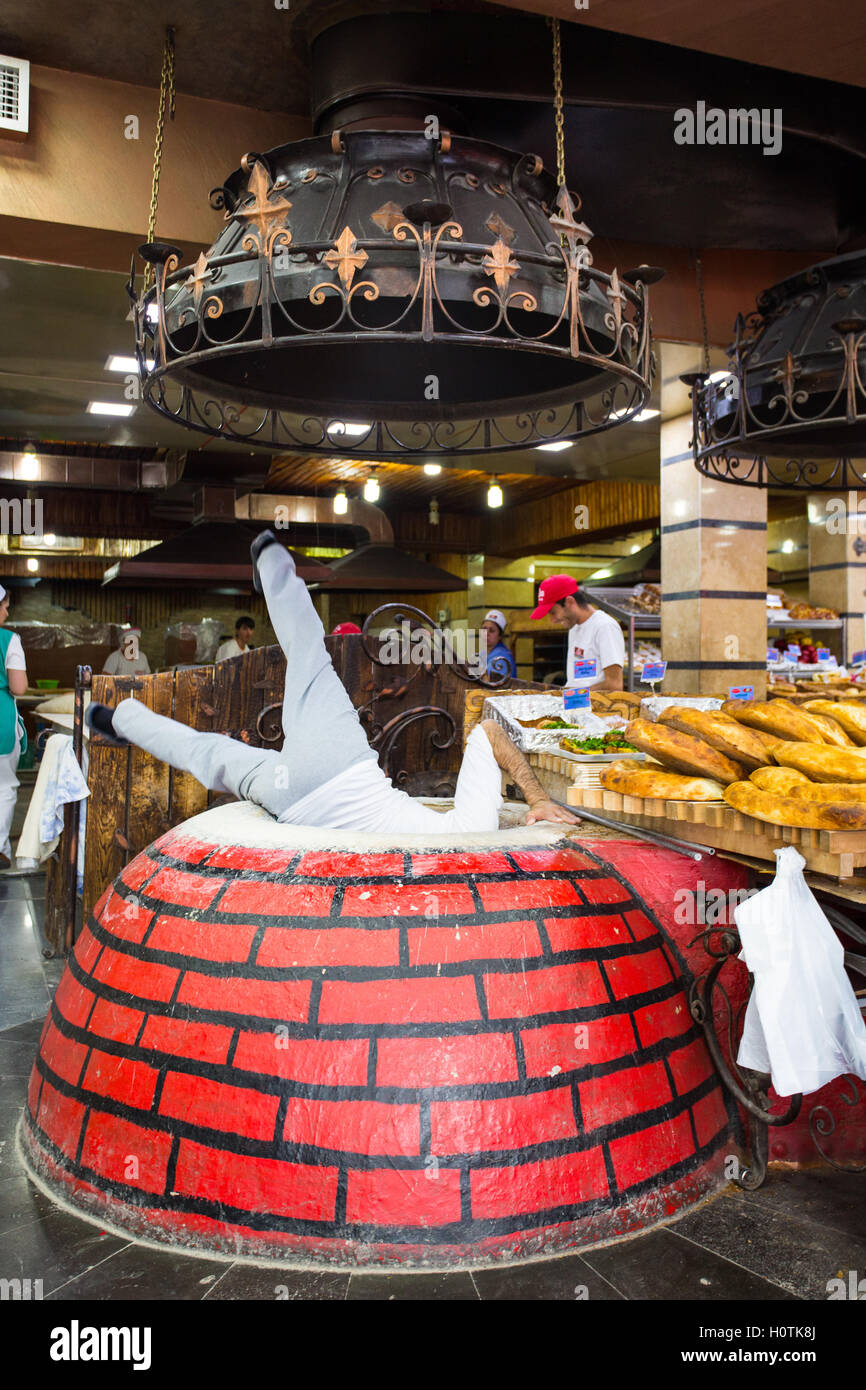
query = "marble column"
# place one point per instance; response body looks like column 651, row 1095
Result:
column 837, row 567
column 713, row 563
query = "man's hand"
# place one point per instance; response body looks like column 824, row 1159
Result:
column 548, row 810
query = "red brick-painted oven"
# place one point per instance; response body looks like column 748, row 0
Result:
column 286, row 1043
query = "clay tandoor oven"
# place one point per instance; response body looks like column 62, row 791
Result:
column 285, row 1043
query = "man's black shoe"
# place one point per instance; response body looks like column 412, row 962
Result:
column 259, row 544
column 98, row 719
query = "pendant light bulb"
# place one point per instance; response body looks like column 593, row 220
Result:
column 371, row 489
column 494, row 493
column 341, row 502
column 433, row 514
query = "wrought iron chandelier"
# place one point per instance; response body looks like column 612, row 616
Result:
column 382, row 294
column 791, row 410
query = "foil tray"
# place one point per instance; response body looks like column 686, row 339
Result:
column 509, row 709
column 652, row 708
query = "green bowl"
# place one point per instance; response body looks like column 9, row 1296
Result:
column 47, row 685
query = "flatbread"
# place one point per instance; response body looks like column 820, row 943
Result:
column 822, row 763
column 777, row 717
column 636, row 779
column 682, row 753
column 720, row 731
column 780, row 780
column 788, row 810
column 850, row 716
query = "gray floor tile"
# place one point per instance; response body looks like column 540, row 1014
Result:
column 137, row 1272
column 800, row 1255
column 55, row 1249
column 662, row 1266
column 832, row 1199
column 277, row 1285
column 567, row 1279
column 378, row 1288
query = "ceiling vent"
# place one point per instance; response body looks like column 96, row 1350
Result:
column 14, row 97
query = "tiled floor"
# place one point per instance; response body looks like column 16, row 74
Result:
column 782, row 1243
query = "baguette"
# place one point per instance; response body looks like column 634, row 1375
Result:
column 720, row 731
column 789, row 810
column 636, row 779
column 823, row 764
column 851, row 716
column 780, row 780
column 682, row 752
column 828, row 791
column 777, row 717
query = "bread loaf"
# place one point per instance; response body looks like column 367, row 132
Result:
column 788, row 810
column 776, row 717
column 636, row 779
column 682, row 752
column 720, row 731
column 823, row 764
column 850, row 715
column 780, row 780
column 827, row 791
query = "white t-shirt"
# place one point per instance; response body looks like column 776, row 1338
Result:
column 120, row 665
column 364, row 799
column 15, row 655
column 229, row 649
column 599, row 638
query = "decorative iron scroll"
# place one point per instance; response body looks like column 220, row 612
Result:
column 750, row 1088
column 405, row 616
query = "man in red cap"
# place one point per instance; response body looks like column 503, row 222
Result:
column 592, row 635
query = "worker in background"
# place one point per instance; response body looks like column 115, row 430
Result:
column 129, row 659
column 240, row 643
column 13, row 740
column 592, row 635
column 497, row 653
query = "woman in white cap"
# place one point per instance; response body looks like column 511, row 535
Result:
column 129, row 659
column 498, row 656
column 13, row 681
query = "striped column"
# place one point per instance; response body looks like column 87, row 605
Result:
column 714, row 572
column 837, row 566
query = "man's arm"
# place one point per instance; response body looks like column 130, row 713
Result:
column 513, row 763
column 612, row 679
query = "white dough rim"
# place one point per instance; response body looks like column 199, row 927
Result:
column 245, row 824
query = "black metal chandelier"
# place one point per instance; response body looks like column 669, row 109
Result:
column 382, row 294
column 791, row 410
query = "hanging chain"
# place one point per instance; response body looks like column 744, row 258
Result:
column 166, row 99
column 700, row 275
column 557, row 102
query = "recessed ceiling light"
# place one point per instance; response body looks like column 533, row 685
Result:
column 634, row 550
column 341, row 427
column 109, row 408
column 32, row 565
column 638, row 419
column 555, row 445
column 49, row 538
column 478, row 579
column 432, row 469
column 115, row 363
column 788, row 547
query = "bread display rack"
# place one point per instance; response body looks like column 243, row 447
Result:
column 837, row 854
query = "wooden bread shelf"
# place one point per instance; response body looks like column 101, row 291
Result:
column 835, row 853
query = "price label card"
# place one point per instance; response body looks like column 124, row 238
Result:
column 741, row 692
column 858, row 657
column 576, row 699
column 583, row 669
column 773, row 654
column 823, row 653
column 792, row 650
column 653, row 671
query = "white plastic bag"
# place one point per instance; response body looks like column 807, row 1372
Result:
column 803, row 1023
